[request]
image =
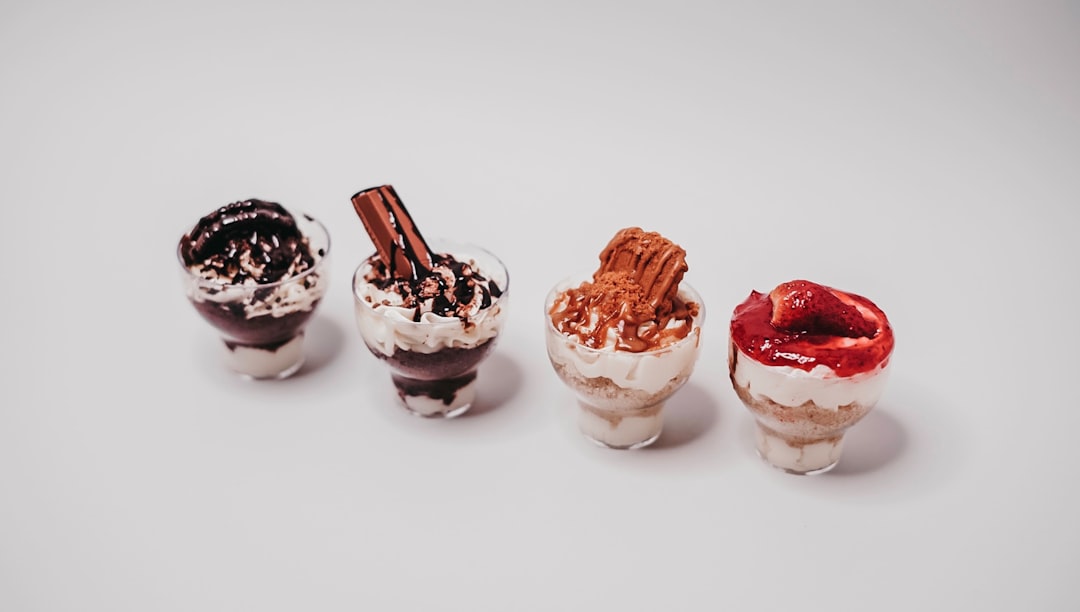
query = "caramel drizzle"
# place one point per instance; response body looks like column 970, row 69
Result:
column 634, row 334
column 633, row 293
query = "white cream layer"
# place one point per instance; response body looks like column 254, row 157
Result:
column 286, row 297
column 792, row 387
column 387, row 327
column 429, row 407
column 808, row 458
column 627, row 432
column 261, row 363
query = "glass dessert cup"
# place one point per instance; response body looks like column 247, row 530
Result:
column 801, row 417
column 621, row 394
column 433, row 362
column 262, row 325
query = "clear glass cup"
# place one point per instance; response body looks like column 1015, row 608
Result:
column 801, row 417
column 621, row 395
column 262, row 325
column 434, row 362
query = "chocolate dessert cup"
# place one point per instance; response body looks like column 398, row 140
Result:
column 433, row 360
column 432, row 313
column 256, row 272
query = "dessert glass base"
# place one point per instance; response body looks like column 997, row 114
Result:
column 805, row 439
column 444, row 399
column 801, row 435
column 795, row 456
column 621, row 429
column 265, row 362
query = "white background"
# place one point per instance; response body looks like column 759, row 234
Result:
column 924, row 154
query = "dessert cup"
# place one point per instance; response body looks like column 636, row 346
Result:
column 801, row 417
column 433, row 360
column 621, row 394
column 262, row 324
column 809, row 362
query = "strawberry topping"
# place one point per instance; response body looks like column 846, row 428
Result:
column 803, row 324
column 804, row 306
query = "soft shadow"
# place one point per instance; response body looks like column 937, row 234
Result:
column 498, row 381
column 871, row 444
column 323, row 341
column 688, row 415
column 908, row 445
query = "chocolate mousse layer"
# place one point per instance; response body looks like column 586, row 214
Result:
column 437, row 375
column 265, row 331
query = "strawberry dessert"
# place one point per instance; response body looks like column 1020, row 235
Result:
column 809, row 361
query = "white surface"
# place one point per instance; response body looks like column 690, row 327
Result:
column 922, row 155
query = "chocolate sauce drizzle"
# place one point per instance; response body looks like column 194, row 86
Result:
column 430, row 291
column 251, row 239
column 406, row 266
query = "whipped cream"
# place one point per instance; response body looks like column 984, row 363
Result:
column 793, row 387
column 259, row 363
column 303, row 284
column 299, row 294
column 648, row 371
column 387, row 326
column 629, row 431
column 811, row 458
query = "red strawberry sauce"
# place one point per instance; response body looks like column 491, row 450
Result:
column 752, row 332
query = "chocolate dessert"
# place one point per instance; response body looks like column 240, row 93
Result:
column 431, row 314
column 257, row 276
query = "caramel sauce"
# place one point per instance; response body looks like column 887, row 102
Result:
column 633, row 296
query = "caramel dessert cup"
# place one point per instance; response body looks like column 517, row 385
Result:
column 625, row 338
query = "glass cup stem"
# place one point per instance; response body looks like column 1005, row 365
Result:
column 621, row 429
column 267, row 361
column 446, row 398
column 798, row 455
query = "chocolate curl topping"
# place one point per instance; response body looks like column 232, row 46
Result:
column 397, row 241
column 655, row 263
